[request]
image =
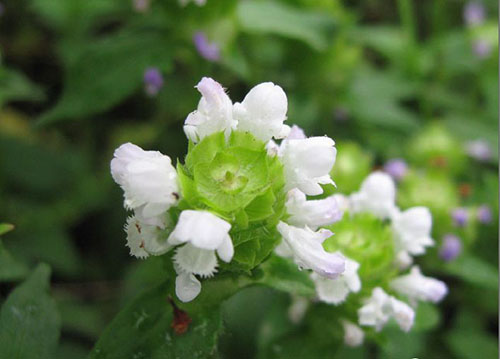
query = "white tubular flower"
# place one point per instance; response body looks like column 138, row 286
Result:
column 148, row 179
column 296, row 133
column 203, row 234
column 144, row 239
column 335, row 291
column 419, row 287
column 402, row 313
column 377, row 195
column 308, row 252
column 263, row 112
column 214, row 113
column 412, row 230
column 403, row 260
column 353, row 335
column 315, row 213
column 307, row 163
column 298, row 309
column 380, row 307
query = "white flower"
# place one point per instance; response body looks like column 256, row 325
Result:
column 296, row 133
column 148, row 179
column 203, row 234
column 306, row 248
column 380, row 307
column 412, row 230
column 144, row 239
column 263, row 112
column 214, row 113
column 343, row 202
column 307, row 163
column 377, row 195
column 353, row 335
column 297, row 309
column 335, row 291
column 419, row 287
column 403, row 260
column 315, row 213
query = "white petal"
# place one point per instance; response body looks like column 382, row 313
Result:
column 332, row 291
column 297, row 309
column 214, row 113
column 377, row 195
column 353, row 335
column 308, row 162
column 201, row 228
column 308, row 251
column 412, row 230
column 144, row 239
column 403, row 314
column 419, row 287
column 226, row 250
column 190, row 259
column 296, row 133
column 315, row 213
column 376, row 311
column 187, row 287
column 263, row 112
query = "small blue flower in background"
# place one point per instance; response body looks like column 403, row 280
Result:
column 460, row 216
column 153, row 81
column 474, row 13
column 484, row 214
column 396, row 168
column 451, row 247
column 479, row 150
column 208, row 50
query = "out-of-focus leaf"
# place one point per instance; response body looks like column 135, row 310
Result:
column 400, row 344
column 107, row 72
column 5, row 228
column 29, row 320
column 313, row 28
column 475, row 271
column 427, row 317
column 284, row 275
column 10, row 268
column 471, row 344
column 15, row 86
column 389, row 41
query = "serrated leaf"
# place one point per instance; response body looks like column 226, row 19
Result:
column 313, row 28
column 106, row 73
column 29, row 320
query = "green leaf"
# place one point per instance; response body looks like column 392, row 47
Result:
column 283, row 274
column 10, row 268
column 313, row 28
column 261, row 207
column 475, row 271
column 15, row 86
column 29, row 320
column 427, row 317
column 205, row 151
column 107, row 72
column 5, row 228
column 469, row 344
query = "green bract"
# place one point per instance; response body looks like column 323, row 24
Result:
column 236, row 179
column 367, row 240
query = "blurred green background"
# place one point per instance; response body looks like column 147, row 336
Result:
column 385, row 79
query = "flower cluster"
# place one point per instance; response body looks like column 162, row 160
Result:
column 378, row 242
column 237, row 194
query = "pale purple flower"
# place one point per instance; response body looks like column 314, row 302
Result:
column 153, row 81
column 484, row 214
column 396, row 168
column 208, row 50
column 482, row 48
column 479, row 150
column 141, row 6
column 474, row 13
column 460, row 216
column 451, row 247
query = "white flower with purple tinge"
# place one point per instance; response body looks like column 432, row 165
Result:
column 419, row 287
column 474, row 13
column 479, row 150
column 451, row 247
column 153, row 81
column 460, row 216
column 308, row 163
column 214, row 113
column 208, row 50
column 203, row 234
column 377, row 195
column 484, row 214
column 305, row 246
column 396, row 168
column 148, row 179
column 412, row 230
column 335, row 291
column 314, row 213
column 262, row 112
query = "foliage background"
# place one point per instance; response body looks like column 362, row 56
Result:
column 374, row 72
